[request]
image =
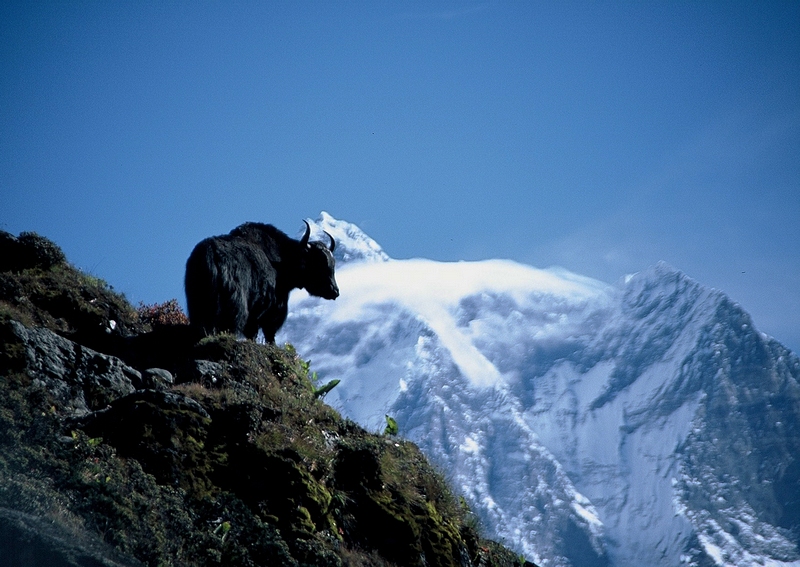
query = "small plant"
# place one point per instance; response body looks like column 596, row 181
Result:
column 306, row 372
column 305, row 366
column 92, row 442
column 325, row 388
column 391, row 426
column 223, row 528
column 95, row 282
column 167, row 313
column 468, row 517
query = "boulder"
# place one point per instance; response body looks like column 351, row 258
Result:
column 157, row 378
column 79, row 378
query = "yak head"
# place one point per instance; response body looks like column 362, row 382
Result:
column 318, row 278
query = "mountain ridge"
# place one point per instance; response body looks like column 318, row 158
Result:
column 627, row 394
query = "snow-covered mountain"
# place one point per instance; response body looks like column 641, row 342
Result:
column 646, row 423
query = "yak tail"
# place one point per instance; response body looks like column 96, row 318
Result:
column 199, row 286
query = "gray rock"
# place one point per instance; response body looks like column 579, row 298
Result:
column 157, row 378
column 207, row 371
column 80, row 378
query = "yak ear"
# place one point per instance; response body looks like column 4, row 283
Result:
column 304, row 240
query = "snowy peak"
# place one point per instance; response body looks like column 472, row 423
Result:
column 658, row 313
column 663, row 292
column 352, row 244
column 643, row 423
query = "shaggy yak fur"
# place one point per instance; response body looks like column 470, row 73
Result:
column 240, row 282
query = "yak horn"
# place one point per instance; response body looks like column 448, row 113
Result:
column 304, row 240
column 333, row 242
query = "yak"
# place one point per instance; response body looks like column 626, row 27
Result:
column 240, row 282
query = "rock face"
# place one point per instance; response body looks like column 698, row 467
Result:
column 78, row 378
column 223, row 454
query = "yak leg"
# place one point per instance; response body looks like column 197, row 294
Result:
column 269, row 331
column 250, row 330
column 232, row 314
column 271, row 324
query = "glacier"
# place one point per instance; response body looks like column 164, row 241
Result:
column 645, row 422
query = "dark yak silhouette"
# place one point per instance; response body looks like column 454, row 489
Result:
column 240, row 282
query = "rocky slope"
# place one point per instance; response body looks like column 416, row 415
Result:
column 126, row 444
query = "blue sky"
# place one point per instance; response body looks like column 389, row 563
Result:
column 602, row 137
